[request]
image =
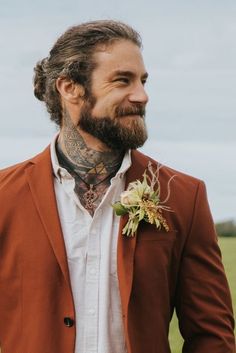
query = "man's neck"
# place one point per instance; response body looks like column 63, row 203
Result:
column 89, row 162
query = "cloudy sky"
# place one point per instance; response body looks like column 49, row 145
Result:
column 190, row 54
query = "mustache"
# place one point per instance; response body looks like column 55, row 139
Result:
column 135, row 109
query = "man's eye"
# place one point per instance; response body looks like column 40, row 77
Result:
column 122, row 79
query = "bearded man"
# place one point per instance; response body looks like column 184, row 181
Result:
column 75, row 276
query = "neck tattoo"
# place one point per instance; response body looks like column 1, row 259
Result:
column 92, row 194
column 92, row 170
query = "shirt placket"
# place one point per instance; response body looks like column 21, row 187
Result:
column 92, row 288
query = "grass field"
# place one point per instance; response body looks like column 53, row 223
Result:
column 228, row 248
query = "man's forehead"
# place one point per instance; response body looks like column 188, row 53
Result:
column 120, row 56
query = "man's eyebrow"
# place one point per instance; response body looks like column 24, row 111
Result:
column 127, row 73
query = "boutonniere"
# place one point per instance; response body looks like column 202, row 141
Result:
column 141, row 201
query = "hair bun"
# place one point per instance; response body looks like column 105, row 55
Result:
column 39, row 80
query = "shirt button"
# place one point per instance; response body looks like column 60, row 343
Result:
column 68, row 322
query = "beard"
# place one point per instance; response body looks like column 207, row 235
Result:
column 116, row 133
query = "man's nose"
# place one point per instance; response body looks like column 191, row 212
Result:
column 138, row 94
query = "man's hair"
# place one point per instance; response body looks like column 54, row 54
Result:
column 72, row 57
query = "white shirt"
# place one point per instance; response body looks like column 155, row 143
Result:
column 91, row 246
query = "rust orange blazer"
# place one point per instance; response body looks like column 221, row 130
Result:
column 158, row 271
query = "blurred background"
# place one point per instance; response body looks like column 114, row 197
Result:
column 190, row 54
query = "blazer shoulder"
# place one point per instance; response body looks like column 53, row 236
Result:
column 14, row 175
column 184, row 194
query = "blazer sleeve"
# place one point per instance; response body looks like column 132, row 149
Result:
column 203, row 301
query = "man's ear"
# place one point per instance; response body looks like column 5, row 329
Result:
column 69, row 91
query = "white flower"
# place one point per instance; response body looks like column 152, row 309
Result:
column 129, row 198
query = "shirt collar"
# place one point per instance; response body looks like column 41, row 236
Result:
column 61, row 173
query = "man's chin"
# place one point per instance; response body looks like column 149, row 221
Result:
column 125, row 145
column 126, row 132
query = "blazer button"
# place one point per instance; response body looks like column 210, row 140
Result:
column 68, row 322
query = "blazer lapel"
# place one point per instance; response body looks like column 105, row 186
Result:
column 126, row 245
column 40, row 179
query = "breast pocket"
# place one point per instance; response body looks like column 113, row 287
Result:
column 154, row 252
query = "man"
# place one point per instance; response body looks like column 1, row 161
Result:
column 72, row 281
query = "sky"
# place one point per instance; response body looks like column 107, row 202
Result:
column 190, row 54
